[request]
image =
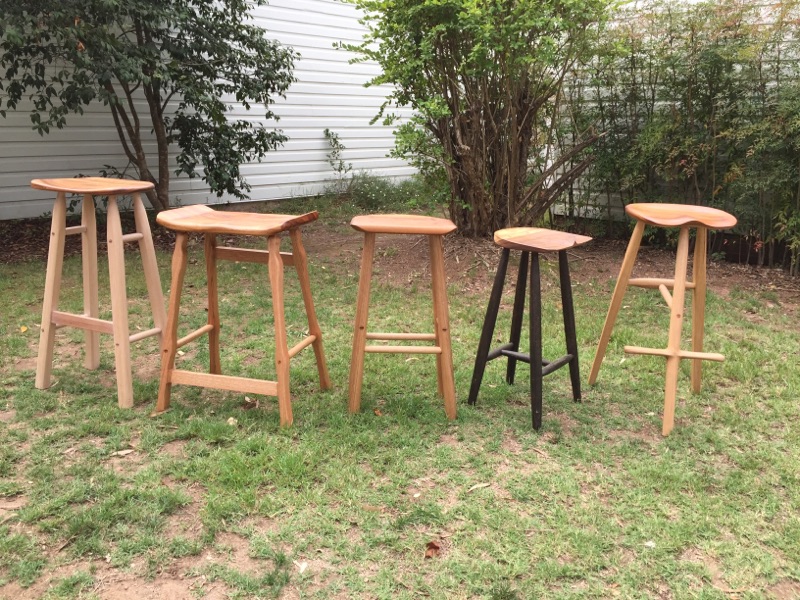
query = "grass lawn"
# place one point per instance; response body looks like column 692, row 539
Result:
column 212, row 499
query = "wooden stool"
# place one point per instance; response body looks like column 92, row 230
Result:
column 202, row 219
column 415, row 225
column 531, row 241
column 53, row 319
column 686, row 217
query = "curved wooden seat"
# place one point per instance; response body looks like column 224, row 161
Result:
column 536, row 239
column 411, row 224
column 202, row 219
column 92, row 185
column 678, row 215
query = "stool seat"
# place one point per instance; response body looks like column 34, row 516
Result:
column 92, row 185
column 410, row 224
column 680, row 215
column 203, row 219
column 536, row 239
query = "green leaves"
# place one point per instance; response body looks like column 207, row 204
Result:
column 185, row 58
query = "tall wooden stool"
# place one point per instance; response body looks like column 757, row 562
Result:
column 686, row 217
column 209, row 222
column 531, row 241
column 52, row 318
column 434, row 228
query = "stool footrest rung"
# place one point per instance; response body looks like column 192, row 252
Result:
column 680, row 353
column 250, row 255
column 62, row 319
column 665, row 293
column 498, row 352
column 556, row 364
column 75, row 229
column 520, row 356
column 403, row 349
column 194, row 335
column 656, row 282
column 140, row 335
column 132, row 237
column 426, row 337
column 224, row 382
column 305, row 343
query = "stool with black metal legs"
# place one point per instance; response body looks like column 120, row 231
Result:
column 209, row 222
column 686, row 217
column 531, row 241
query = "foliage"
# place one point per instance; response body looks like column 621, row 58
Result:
column 700, row 104
column 341, row 169
column 188, row 60
column 485, row 81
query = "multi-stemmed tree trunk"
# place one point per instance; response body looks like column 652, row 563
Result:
column 485, row 81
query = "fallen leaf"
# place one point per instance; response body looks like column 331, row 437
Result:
column 23, row 329
column 432, row 549
column 121, row 452
column 378, row 412
column 650, row 544
column 478, row 486
column 70, row 450
column 233, row 422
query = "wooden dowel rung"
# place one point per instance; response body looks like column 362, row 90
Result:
column 680, row 353
column 75, row 229
column 302, row 344
column 250, row 255
column 556, row 364
column 224, row 382
column 140, row 335
column 520, row 356
column 665, row 293
column 404, row 349
column 62, row 319
column 132, row 237
column 194, row 335
column 498, row 352
column 426, row 337
column 655, row 282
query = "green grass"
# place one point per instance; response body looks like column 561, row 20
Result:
column 596, row 504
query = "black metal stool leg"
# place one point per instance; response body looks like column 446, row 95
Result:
column 516, row 318
column 569, row 324
column 536, row 342
column 488, row 327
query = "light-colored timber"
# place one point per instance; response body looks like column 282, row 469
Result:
column 536, row 239
column 52, row 318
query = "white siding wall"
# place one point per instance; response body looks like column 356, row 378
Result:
column 329, row 93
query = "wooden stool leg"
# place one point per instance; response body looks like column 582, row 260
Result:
column 675, row 327
column 152, row 278
column 536, row 342
column 362, row 314
column 442, row 313
column 699, row 304
column 517, row 316
column 119, row 305
column 281, row 343
column 210, row 251
column 489, row 323
column 301, row 266
column 569, row 324
column 169, row 348
column 616, row 299
column 91, row 305
column 52, row 287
